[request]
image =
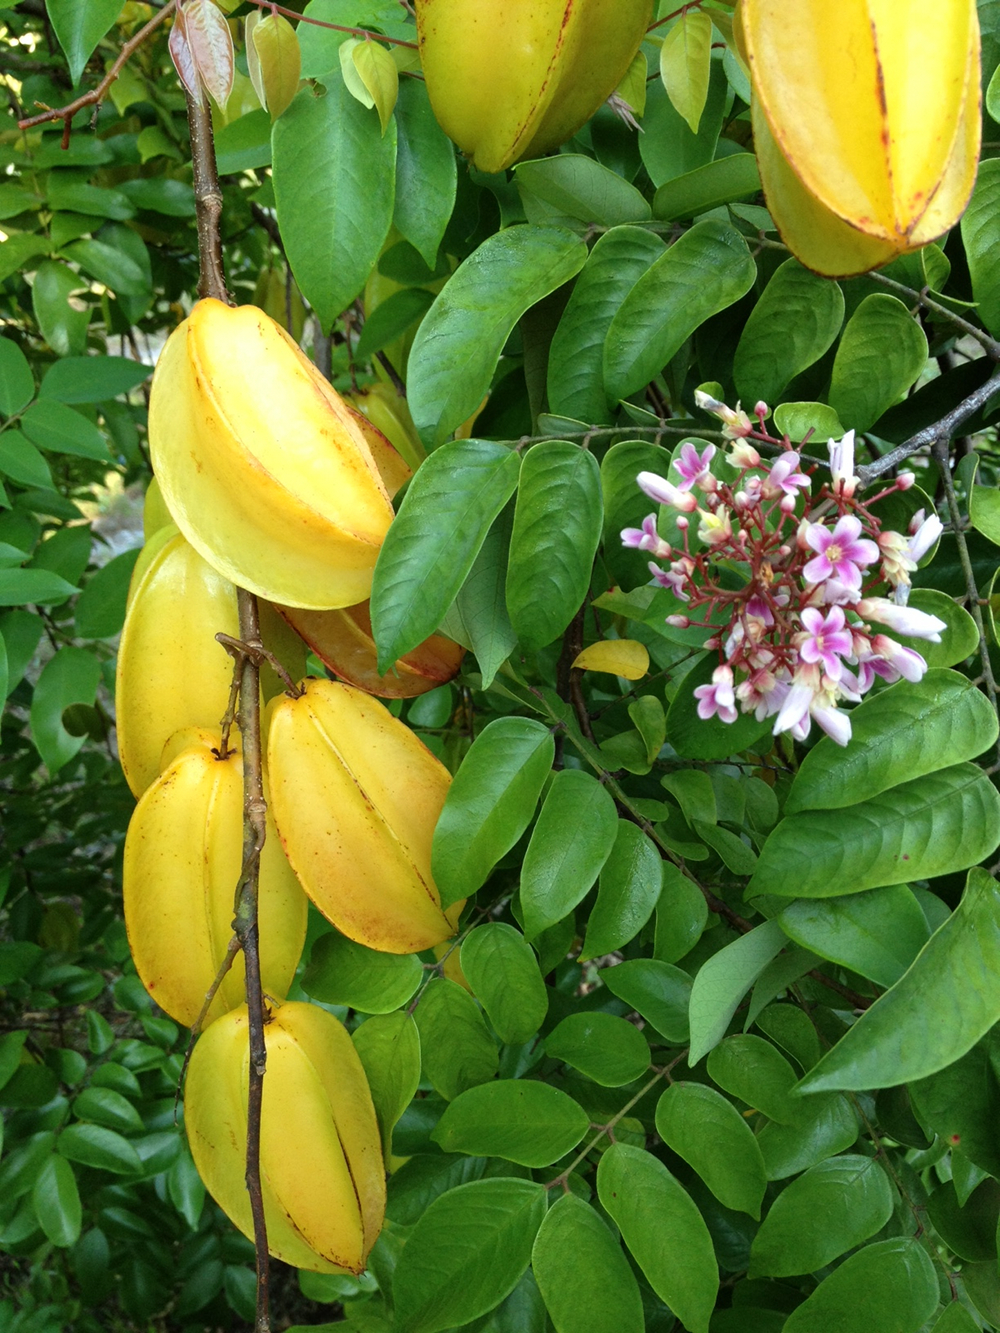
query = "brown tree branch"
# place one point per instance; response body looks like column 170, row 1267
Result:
column 336, row 27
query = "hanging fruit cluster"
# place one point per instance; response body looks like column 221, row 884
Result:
column 267, row 479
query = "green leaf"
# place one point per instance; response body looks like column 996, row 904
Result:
column 956, row 1318
column 100, row 608
column 22, row 631
column 706, row 270
column 936, row 1012
column 466, row 1253
column 389, row 1048
column 4, row 679
column 458, row 345
column 558, row 872
column 897, row 735
column 21, row 461
column 65, row 552
column 576, row 356
column 502, row 970
column 668, row 148
column 481, row 603
column 343, row 972
column 853, row 1197
column 430, row 548
column 62, row 317
column 700, row 1125
column 585, row 1280
column 244, row 144
column 67, row 196
column 655, row 990
column 827, row 1125
column 54, row 426
column 882, row 351
column 117, row 270
column 425, row 172
column 17, row 385
column 519, row 1120
column 888, row 1285
column 628, row 891
column 106, row 1107
column 79, row 27
column 961, row 1103
column 686, row 63
column 93, row 1145
column 392, row 318
column 187, row 1193
column 754, row 1071
column 795, row 321
column 704, row 739
column 334, row 174
column 490, row 803
column 18, row 251
column 70, row 677
column 663, row 1229
column 959, row 641
column 877, row 933
column 720, row 182
column 937, row 824
column 797, row 420
column 723, row 981
column 557, row 526
column 607, row 1049
column 92, row 379
column 39, row 586
column 969, row 1229
column 456, row 1047
column 681, row 915
column 980, row 236
column 578, row 187
column 56, row 1201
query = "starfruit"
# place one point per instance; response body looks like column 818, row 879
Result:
column 260, row 463
column 866, row 123
column 356, row 797
column 517, row 78
column 183, row 857
column 322, row 1177
column 343, row 641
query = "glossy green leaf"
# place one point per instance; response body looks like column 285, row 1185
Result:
column 490, row 803
column 4, row 674
column 658, row 992
column 93, row 1145
column 607, row 1049
column 827, row 1125
column 578, row 187
column 397, row 314
column 100, row 609
column 980, row 236
column 466, row 1253
column 425, row 172
column 389, row 1048
column 897, row 735
column 956, row 1319
column 92, row 379
column 797, row 420
column 458, row 345
column 853, row 1197
column 106, row 1107
column 187, row 1193
column 22, row 463
column 882, row 351
column 334, row 176
column 700, row 1125
column 54, row 426
column 576, row 356
column 557, row 526
column 681, row 915
column 479, row 616
column 62, row 317
column 19, row 250
column 720, row 182
column 625, row 506
column 160, row 194
column 686, row 63
column 936, row 1012
column 115, row 269
column 937, row 824
column 65, row 552
column 667, row 146
column 968, row 1229
column 79, row 27
column 500, row 966
column 795, row 321
column 343, row 972
column 244, row 144
column 520, row 1120
column 694, row 737
column 877, row 933
column 751, row 1069
column 664, row 1231
column 723, row 981
column 17, row 385
column 457, row 1050
column 22, row 631
column 888, row 1285
column 961, row 1103
column 558, row 872
column 70, row 677
column 437, row 534
column 628, row 890
column 706, row 270
column 56, row 1201
column 584, row 1277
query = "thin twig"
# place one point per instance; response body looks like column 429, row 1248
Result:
column 336, row 27
column 97, row 95
column 990, row 345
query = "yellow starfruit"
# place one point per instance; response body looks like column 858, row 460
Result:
column 260, row 463
column 356, row 797
column 517, row 78
column 322, row 1177
column 183, row 857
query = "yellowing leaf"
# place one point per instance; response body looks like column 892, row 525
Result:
column 355, row 84
column 632, row 88
column 686, row 63
column 380, row 75
column 619, row 657
column 278, row 61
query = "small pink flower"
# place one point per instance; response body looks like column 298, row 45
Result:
column 783, row 478
column 836, row 724
column 672, row 578
column 842, row 464
column 926, row 534
column 717, row 698
column 842, row 553
column 905, row 661
column 743, row 455
column 646, row 538
column 902, row 619
column 826, row 639
column 665, row 492
column 715, row 529
column 693, row 467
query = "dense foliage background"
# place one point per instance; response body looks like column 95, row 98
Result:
column 533, row 1086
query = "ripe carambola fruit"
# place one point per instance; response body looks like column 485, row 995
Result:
column 866, row 123
column 322, row 1176
column 516, row 78
column 356, row 797
column 261, row 465
column 183, row 856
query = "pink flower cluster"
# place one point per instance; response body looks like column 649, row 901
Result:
column 797, row 638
